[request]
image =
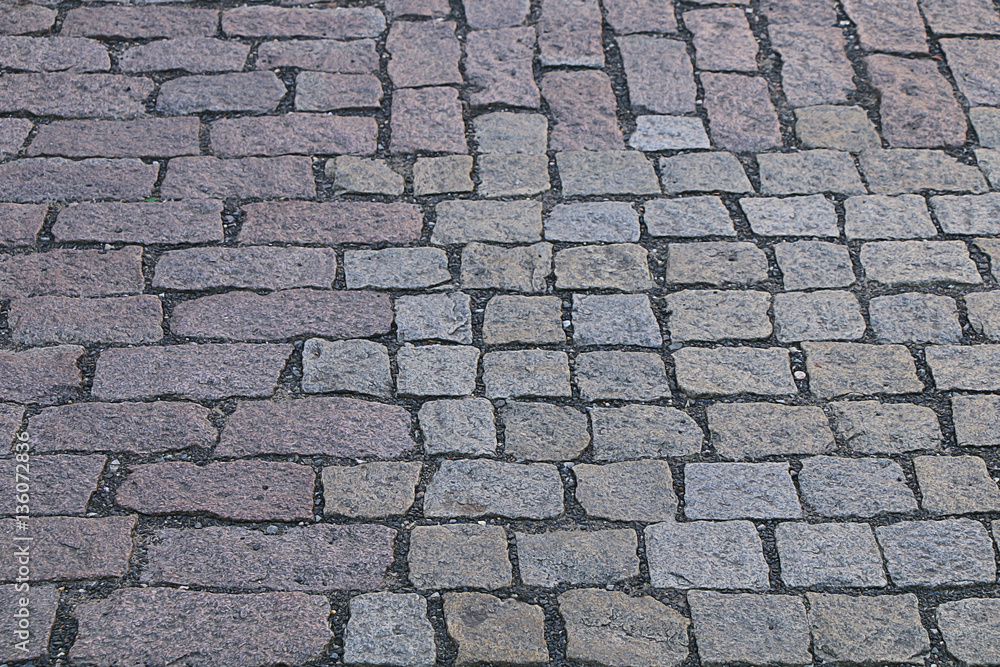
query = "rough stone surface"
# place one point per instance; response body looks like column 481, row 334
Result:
column 900, row 171
column 662, row 133
column 319, row 91
column 882, row 217
column 569, row 33
column 973, row 368
column 755, row 629
column 20, row 223
column 815, row 68
column 475, row 488
column 260, row 267
column 842, row 487
column 969, row 628
column 722, row 40
column 643, row 431
column 713, row 315
column 330, row 23
column 508, row 133
column 191, row 54
column 917, row 107
column 601, row 628
column 389, row 628
column 69, row 272
column 463, row 426
column 439, row 175
column 703, row 554
column 793, row 216
column 43, row 601
column 356, row 366
column 722, row 491
column 583, row 107
column 244, row 91
column 460, row 221
column 617, row 319
column 913, row 317
column 193, row 221
column 835, row 369
column 956, row 485
column 986, row 121
column 295, row 133
column 825, row 315
column 688, row 217
column 863, row 629
column 43, row 320
column 427, row 120
column 606, row 173
column 628, row 376
column 953, row 552
column 577, row 557
column 323, row 55
column 613, row 222
column 809, row 264
column 837, row 127
column 513, row 175
column 330, row 223
column 443, row 317
column 405, row 268
column 895, row 26
column 354, row 175
column 436, row 370
column 619, row 266
column 68, row 95
column 741, row 117
column 659, row 74
column 523, row 373
column 67, row 548
column 58, row 179
column 809, row 172
column 489, row 630
column 62, row 484
column 43, row 375
column 519, row 269
column 532, row 320
column 829, row 554
column 733, row 370
column 207, row 177
column 627, row 491
column 757, row 430
column 499, row 67
column 543, row 432
column 715, row 263
column 871, row 427
column 977, row 420
column 149, row 137
column 459, row 556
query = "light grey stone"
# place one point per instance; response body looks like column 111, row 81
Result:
column 843, row 369
column 359, row 366
column 882, row 217
column 867, row 629
column 460, row 221
column 713, row 315
column 615, row 319
column 932, row 554
column 829, row 554
column 458, row 426
column 577, row 557
column 521, row 269
column 690, row 217
column 977, row 420
column 520, row 373
column 914, row 317
column 706, row 554
column 703, row 172
column 986, row 121
column 658, row 73
column 968, row 214
column 992, row 249
column 734, row 370
column 439, row 175
column 513, row 175
column 901, row 170
column 841, row 487
column 543, row 432
column 445, row 316
column 989, row 162
column 618, row 266
column 984, row 315
column 814, row 264
column 715, row 263
column 510, row 133
column 436, row 370
column 532, row 320
column 626, row 491
column 823, row 315
column 721, row 491
column 837, row 127
column 628, row 376
column 371, row 490
column 809, row 172
column 969, row 368
column 668, row 133
column 479, row 487
column 644, row 431
column 956, row 485
column 364, row 176
column 389, row 629
column 746, row 628
column 606, row 173
column 757, row 430
column 791, row 216
column 591, row 222
column 405, row 268
column 601, row 628
column 464, row 555
column 482, row 626
column 971, row 629
column 871, row 427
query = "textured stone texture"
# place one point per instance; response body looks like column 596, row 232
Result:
column 867, row 629
column 464, row 426
column 330, row 23
column 65, row 320
column 842, row 487
column 913, row 317
column 44, row 375
column 712, row 172
column 70, row 548
column 722, row 491
column 69, row 95
column 829, row 554
column 918, row 108
column 517, row 374
column 489, row 630
column 436, row 370
column 620, row 266
column 58, row 179
column 371, row 490
column 953, row 552
column 499, row 67
column 826, row 315
column 569, row 33
column 192, row 221
column 808, row 264
column 688, row 217
column 353, row 175
column 601, row 628
column 659, row 74
column 459, row 556
column 722, row 40
column 356, row 366
column 406, row 268
column 577, row 557
column 606, row 173
column 617, row 319
column 43, row 601
column 191, row 54
column 244, row 178
column 627, row 491
column 330, row 223
column 423, row 54
column 971, row 368
column 434, row 316
column 72, row 273
column 837, row 127
column 150, row 137
column 956, row 485
column 715, row 263
column 523, row 319
column 389, row 628
column 306, row 558
column 543, row 432
column 140, row 22
column 740, row 114
column 842, row 369
column 882, row 217
column 894, row 26
column 164, row 625
column 319, row 91
column 704, row 554
column 969, row 628
column 722, row 371
column 295, row 133
column 893, row 172
column 483, row 488
column 793, row 216
column 461, row 221
column 427, row 120
column 354, row 57
column 198, row 269
column 62, row 483
column 809, row 172
column 245, row 91
column 871, row 427
column 519, row 269
column 757, row 430
column 713, row 315
column 628, row 376
column 977, row 420
column 660, row 133
column 20, row 223
column 583, row 107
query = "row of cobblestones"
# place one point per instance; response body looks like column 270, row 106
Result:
column 413, row 332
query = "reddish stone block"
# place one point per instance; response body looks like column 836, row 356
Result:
column 112, row 22
column 423, row 53
column 199, row 372
column 44, row 320
column 322, row 55
column 10, row 423
column 191, row 54
column 258, row 92
column 67, row 548
column 20, row 19
column 722, row 39
column 569, row 33
column 72, row 273
column 494, row 14
column 631, row 16
column 888, row 25
column 974, row 65
column 320, row 91
column 585, row 111
column 53, row 54
column 255, row 267
column 239, row 316
column 60, row 484
column 194, row 221
column 57, row 179
column 149, row 137
column 427, row 120
column 294, row 133
column 331, row 223
column 236, row 490
column 20, row 223
column 659, row 73
column 741, row 117
column 918, row 107
column 163, row 626
column 815, row 69
column 45, row 375
column 135, row 428
column 265, row 178
column 42, row 605
column 433, row 8
column 13, row 132
column 499, row 65
column 307, row 558
column 341, row 427
column 333, row 23
column 806, row 12
column 68, row 95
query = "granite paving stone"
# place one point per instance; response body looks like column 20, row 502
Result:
column 870, row 427
column 969, row 629
column 59, row 179
column 523, row 319
column 632, row 16
column 792, row 216
column 606, row 173
column 293, row 134
column 615, row 319
column 499, row 67
column 822, row 315
column 690, row 217
column 436, row 370
column 321, row 55
column 464, row 426
column 480, row 487
column 253, row 267
column 465, row 555
column 723, row 491
column 968, row 214
column 918, row 107
column 370, row 490
column 44, row 600
column 971, row 62
column 569, row 33
column 389, row 628
column 444, row 317
column 47, row 320
column 427, row 120
column 495, row 13
column 862, row 629
column 427, row 8
column 355, row 175
column 814, row 64
column 522, row 373
column 460, row 221
column 989, row 162
column 147, row 137
column 724, row 555
column 977, row 419
column 935, row 554
column 843, row 369
column 741, row 117
column 169, row 222
column 13, row 132
column 611, row 222
column 487, row 629
column 543, row 432
column 440, row 175
column 913, row 317
column 814, row 264
column 661, row 133
column 758, row 430
column 197, row 55
column 896, row 263
column 956, row 485
column 809, row 172
column 895, row 26
column 972, row 368
column 518, row 269
column 319, row 91
column 841, row 487
column 716, row 315
column 508, row 133
column 206, row 177
column 355, row 366
column 643, row 431
column 63, row 483
column 46, row 375
column 618, row 266
column 836, row 127
column 627, row 376
column 70, row 95
column 67, row 548
column 733, row 370
column 406, row 268
column 257, row 92
column 423, row 54
column 872, row 217
column 707, row 172
column 901, row 171
column 577, row 557
column 583, row 109
column 722, row 39
column 513, row 175
column 330, row 223
column 720, row 264
column 947, row 16
column 986, row 121
column 329, row 23
column 829, row 554
column 626, row 491
column 24, row 18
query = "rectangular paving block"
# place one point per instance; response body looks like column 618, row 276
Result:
column 643, row 431
column 42, row 375
column 173, row 222
column 67, row 95
column 757, row 430
column 372, row 490
column 970, row 629
column 459, row 556
column 206, row 177
column 734, row 370
column 21, row 223
column 389, row 628
column 330, row 223
column 328, row 23
column 706, row 554
column 722, row 491
column 258, row 267
column 577, row 557
column 583, row 108
column 47, row 179
column 606, row 173
column 140, row 22
column 829, row 554
column 883, row 628
column 42, row 320
column 293, row 134
column 841, row 487
column 871, row 427
column 474, row 488
column 482, row 625
column 321, row 55
column 67, row 548
column 629, row 376
column 61, row 484
column 977, row 420
column 935, row 554
column 843, row 369
column 67, row 272
column 972, row 368
column 626, row 491
column 41, row 608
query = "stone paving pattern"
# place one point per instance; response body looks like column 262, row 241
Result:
column 403, row 332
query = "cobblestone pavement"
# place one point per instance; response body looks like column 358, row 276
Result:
column 631, row 332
